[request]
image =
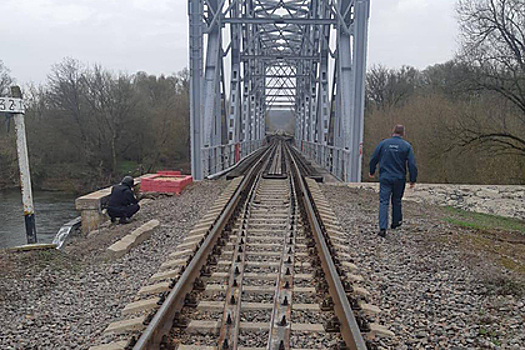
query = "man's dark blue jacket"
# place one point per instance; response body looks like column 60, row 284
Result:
column 393, row 154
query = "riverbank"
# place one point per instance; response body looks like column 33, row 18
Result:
column 64, row 300
column 53, row 209
column 440, row 285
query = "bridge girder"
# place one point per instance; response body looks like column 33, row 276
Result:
column 308, row 56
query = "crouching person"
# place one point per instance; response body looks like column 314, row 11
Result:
column 122, row 201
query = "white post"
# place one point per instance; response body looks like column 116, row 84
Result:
column 25, row 176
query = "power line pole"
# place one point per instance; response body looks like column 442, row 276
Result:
column 15, row 105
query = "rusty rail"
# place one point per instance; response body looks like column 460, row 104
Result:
column 162, row 322
column 349, row 327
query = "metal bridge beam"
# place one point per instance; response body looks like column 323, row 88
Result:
column 281, row 54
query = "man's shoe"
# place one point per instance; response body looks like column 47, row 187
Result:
column 394, row 226
column 123, row 221
column 382, row 233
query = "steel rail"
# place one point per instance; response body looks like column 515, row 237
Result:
column 162, row 322
column 349, row 327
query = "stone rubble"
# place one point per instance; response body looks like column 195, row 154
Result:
column 506, row 201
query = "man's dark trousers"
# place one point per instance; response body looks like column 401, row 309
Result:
column 123, row 212
column 390, row 190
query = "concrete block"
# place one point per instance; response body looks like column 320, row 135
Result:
column 259, row 289
column 311, row 307
column 120, row 345
column 256, row 306
column 37, row 246
column 254, row 326
column 349, row 266
column 165, row 275
column 196, row 347
column 119, row 249
column 133, row 324
column 181, row 253
column 369, row 309
column 141, row 305
column 144, row 232
column 204, row 327
column 210, row 305
column 172, row 263
column 93, row 200
column 377, row 330
column 361, row 291
column 92, row 219
column 304, row 290
column 189, row 245
column 155, row 288
column 215, row 288
column 355, row 278
column 194, row 237
column 307, row 327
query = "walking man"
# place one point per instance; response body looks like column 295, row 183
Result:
column 393, row 155
column 122, row 201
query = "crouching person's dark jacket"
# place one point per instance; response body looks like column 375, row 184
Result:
column 121, row 196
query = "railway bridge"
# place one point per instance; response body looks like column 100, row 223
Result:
column 251, row 57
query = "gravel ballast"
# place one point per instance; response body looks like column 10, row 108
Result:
column 64, row 300
column 437, row 287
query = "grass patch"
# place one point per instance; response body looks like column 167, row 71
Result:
column 36, row 261
column 479, row 221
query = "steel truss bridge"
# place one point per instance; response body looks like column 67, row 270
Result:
column 248, row 57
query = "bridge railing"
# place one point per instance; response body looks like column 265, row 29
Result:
column 219, row 158
column 331, row 158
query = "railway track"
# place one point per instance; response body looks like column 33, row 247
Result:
column 265, row 273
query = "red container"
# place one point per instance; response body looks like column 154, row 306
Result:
column 165, row 182
column 168, row 172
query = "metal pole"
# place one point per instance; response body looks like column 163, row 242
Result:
column 195, row 11
column 25, row 176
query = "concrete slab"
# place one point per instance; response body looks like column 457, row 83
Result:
column 196, row 347
column 210, row 305
column 303, row 290
column 172, row 263
column 119, row 249
column 204, row 327
column 133, row 324
column 377, row 330
column 307, row 327
column 254, row 326
column 309, row 307
column 155, row 288
column 28, row 247
column 141, row 305
column 159, row 276
column 120, row 345
column 181, row 253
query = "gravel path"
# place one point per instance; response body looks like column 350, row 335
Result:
column 436, row 288
column 57, row 300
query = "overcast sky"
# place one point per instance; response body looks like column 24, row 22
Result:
column 133, row 35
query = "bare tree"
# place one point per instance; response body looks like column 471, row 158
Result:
column 112, row 101
column 66, row 98
column 493, row 34
column 391, row 87
column 5, row 79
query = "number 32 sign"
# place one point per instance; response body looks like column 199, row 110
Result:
column 12, row 105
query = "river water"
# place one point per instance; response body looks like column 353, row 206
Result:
column 52, row 210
